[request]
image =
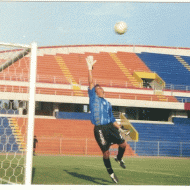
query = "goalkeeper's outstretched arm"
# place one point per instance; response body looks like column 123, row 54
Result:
column 90, row 62
column 90, row 79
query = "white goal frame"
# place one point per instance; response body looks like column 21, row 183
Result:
column 31, row 113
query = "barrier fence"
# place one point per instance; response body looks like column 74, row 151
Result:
column 161, row 148
column 86, row 146
column 84, row 81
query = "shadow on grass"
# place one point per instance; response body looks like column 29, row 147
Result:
column 33, row 173
column 89, row 178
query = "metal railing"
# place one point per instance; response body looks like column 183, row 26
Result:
column 70, row 92
column 84, row 81
column 87, row 146
column 172, row 87
column 161, row 148
column 107, row 83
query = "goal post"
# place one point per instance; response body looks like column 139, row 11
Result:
column 30, row 132
column 17, row 110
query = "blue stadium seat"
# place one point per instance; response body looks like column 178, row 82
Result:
column 183, row 99
column 7, row 139
column 167, row 67
column 187, row 59
column 73, row 115
column 169, row 137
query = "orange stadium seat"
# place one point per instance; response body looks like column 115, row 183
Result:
column 72, row 134
column 70, row 92
column 49, row 71
column 132, row 62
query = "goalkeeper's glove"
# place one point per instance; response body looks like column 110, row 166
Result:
column 90, row 62
column 124, row 131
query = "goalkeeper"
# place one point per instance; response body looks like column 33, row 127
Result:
column 106, row 130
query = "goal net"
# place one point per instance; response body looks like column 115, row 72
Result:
column 17, row 105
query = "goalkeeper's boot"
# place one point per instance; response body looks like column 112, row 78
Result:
column 114, row 178
column 121, row 162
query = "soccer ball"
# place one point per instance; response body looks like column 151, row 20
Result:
column 120, row 27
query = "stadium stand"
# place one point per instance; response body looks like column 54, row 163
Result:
column 187, row 59
column 183, row 99
column 74, row 65
column 48, row 70
column 7, row 139
column 132, row 62
column 71, row 92
column 73, row 115
column 73, row 134
column 70, row 132
column 19, row 71
column 170, row 135
column 167, row 67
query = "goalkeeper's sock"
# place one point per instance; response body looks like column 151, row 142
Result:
column 107, row 164
column 120, row 153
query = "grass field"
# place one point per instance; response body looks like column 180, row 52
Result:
column 78, row 170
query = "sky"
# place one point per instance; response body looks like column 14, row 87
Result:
column 78, row 23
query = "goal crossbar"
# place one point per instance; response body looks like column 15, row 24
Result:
column 15, row 45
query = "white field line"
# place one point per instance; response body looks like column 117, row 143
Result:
column 161, row 173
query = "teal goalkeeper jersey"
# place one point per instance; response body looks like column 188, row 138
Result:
column 101, row 109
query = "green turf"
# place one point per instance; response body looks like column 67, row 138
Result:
column 11, row 169
column 76, row 170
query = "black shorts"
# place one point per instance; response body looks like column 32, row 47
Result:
column 106, row 135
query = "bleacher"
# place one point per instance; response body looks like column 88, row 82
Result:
column 187, row 59
column 70, row 125
column 67, row 136
column 132, row 62
column 7, row 139
column 167, row 67
column 48, row 71
column 167, row 137
column 74, row 68
column 73, row 115
column 8, row 111
column 183, row 99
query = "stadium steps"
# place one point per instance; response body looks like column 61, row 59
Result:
column 76, row 64
column 162, row 98
column 105, row 70
column 69, row 76
column 132, row 62
column 183, row 62
column 124, row 70
column 17, row 133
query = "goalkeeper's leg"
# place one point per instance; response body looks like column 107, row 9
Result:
column 121, row 151
column 100, row 134
column 108, row 166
